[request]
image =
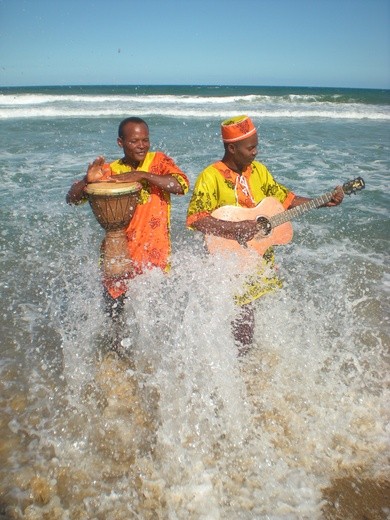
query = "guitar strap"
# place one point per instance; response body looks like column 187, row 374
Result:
column 239, row 183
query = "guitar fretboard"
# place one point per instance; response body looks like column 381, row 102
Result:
column 292, row 213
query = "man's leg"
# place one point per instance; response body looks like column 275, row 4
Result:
column 243, row 328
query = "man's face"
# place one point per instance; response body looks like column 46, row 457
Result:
column 135, row 142
column 245, row 151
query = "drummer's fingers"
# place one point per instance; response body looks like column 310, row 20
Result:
column 99, row 160
column 93, row 166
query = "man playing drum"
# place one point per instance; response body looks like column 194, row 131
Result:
column 148, row 233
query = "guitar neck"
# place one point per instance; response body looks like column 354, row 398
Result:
column 292, row 213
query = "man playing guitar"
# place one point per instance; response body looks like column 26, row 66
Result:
column 236, row 182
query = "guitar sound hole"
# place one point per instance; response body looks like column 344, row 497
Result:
column 264, row 225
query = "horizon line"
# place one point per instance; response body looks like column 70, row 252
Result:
column 81, row 85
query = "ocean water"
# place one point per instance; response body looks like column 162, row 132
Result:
column 183, row 429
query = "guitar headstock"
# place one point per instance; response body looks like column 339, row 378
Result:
column 353, row 186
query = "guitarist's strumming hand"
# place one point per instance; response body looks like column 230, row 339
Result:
column 246, row 231
column 242, row 231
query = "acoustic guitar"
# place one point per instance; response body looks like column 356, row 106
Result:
column 273, row 221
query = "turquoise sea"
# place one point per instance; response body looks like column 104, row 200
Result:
column 186, row 430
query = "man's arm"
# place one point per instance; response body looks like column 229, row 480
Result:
column 166, row 182
column 242, row 231
column 338, row 196
column 76, row 193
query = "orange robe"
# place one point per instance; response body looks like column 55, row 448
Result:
column 148, row 233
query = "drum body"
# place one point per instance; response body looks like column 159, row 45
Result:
column 113, row 205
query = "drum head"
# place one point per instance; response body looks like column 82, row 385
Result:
column 112, row 189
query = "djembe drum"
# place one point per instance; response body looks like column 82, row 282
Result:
column 113, row 205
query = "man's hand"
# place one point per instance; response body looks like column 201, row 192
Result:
column 246, row 230
column 95, row 170
column 337, row 197
column 132, row 176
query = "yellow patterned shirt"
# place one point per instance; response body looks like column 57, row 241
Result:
column 219, row 186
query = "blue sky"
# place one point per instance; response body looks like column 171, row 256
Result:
column 334, row 43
